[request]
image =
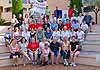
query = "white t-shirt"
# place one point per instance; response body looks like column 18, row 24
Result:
column 56, row 34
column 73, row 18
column 26, row 35
column 65, row 34
column 41, row 45
column 80, row 19
column 52, row 19
column 84, row 27
column 80, row 35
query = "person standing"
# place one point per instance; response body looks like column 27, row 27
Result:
column 47, row 12
column 88, row 19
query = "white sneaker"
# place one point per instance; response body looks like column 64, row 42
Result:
column 66, row 63
column 74, row 64
column 71, row 64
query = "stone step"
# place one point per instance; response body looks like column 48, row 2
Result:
column 6, row 61
column 93, row 36
column 4, row 49
column 91, row 47
column 91, row 42
column 89, row 58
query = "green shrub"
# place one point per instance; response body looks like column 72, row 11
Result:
column 2, row 21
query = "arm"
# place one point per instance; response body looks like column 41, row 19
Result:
column 77, row 46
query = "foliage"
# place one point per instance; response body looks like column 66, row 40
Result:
column 17, row 7
column 77, row 4
column 2, row 21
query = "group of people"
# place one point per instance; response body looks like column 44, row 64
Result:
column 45, row 39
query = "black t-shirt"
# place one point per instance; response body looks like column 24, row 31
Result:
column 54, row 46
column 73, row 45
column 45, row 26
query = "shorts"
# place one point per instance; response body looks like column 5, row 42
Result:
column 65, row 54
column 56, row 53
column 15, row 54
column 45, row 57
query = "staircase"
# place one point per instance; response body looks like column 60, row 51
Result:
column 90, row 54
column 4, row 54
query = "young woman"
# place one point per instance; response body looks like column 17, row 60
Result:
column 65, row 51
column 26, row 19
column 14, row 50
column 14, row 21
column 74, row 50
column 23, row 47
column 17, row 34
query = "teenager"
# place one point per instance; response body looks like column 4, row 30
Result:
column 74, row 50
column 23, row 49
column 65, row 51
column 14, row 52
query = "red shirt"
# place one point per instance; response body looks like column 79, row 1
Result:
column 68, row 25
column 39, row 25
column 70, row 12
column 32, row 25
column 33, row 45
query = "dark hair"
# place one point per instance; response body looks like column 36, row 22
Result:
column 22, row 39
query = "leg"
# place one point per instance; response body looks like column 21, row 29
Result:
column 58, row 56
column 75, row 55
column 25, row 54
column 52, row 58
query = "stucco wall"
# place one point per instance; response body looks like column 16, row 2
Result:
column 62, row 4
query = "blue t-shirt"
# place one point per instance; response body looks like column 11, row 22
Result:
column 88, row 19
column 53, row 26
column 75, row 26
column 48, row 35
column 64, row 20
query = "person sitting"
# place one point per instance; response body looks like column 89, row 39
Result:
column 74, row 50
column 65, row 51
column 8, row 36
column 14, row 52
column 23, row 49
column 55, row 48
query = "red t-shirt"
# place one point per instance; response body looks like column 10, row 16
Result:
column 39, row 25
column 70, row 12
column 32, row 25
column 68, row 25
column 33, row 45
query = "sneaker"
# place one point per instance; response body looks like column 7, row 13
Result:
column 71, row 64
column 74, row 64
column 66, row 64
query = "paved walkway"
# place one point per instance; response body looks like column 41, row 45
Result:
column 49, row 67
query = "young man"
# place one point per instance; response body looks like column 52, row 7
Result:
column 88, row 19
column 74, row 50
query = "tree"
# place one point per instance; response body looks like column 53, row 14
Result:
column 17, row 7
column 77, row 5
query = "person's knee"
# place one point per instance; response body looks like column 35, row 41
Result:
column 77, row 53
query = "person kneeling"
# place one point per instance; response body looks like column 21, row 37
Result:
column 45, row 54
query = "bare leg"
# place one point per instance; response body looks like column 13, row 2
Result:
column 25, row 54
